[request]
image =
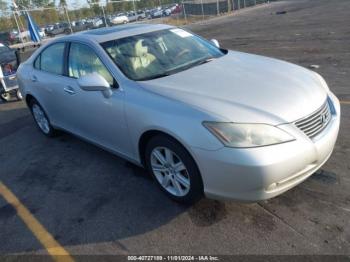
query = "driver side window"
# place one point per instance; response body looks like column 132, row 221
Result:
column 83, row 60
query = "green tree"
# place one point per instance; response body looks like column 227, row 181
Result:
column 40, row 3
column 86, row 12
column 95, row 6
column 22, row 4
column 109, row 8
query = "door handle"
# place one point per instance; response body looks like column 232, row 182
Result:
column 34, row 78
column 69, row 90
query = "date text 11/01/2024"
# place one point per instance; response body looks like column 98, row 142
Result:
column 173, row 258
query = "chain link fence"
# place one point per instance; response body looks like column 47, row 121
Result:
column 54, row 21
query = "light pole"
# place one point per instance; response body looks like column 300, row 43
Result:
column 202, row 9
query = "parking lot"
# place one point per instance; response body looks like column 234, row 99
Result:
column 92, row 202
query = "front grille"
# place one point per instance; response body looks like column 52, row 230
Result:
column 315, row 123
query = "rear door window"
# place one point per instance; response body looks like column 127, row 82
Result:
column 51, row 59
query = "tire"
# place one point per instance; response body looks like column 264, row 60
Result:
column 41, row 119
column 19, row 95
column 6, row 96
column 177, row 173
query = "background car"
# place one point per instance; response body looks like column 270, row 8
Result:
column 58, row 29
column 23, row 35
column 78, row 26
column 167, row 11
column 101, row 22
column 120, row 19
column 98, row 22
column 48, row 28
column 136, row 16
column 42, row 33
column 176, row 9
column 8, row 38
column 156, row 13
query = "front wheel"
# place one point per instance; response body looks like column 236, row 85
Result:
column 174, row 169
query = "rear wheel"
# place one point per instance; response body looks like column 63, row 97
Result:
column 173, row 169
column 41, row 119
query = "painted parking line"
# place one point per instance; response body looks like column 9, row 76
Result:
column 345, row 102
column 57, row 252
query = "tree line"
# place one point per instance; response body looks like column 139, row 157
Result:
column 46, row 12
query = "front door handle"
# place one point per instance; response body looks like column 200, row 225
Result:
column 69, row 90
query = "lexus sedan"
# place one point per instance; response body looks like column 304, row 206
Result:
column 199, row 118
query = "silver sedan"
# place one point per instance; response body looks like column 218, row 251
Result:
column 201, row 119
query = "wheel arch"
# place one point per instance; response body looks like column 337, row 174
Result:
column 30, row 98
column 149, row 134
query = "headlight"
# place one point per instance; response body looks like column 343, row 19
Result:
column 247, row 135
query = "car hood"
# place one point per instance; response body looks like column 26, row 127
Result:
column 244, row 88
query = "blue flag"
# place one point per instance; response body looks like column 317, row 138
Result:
column 33, row 29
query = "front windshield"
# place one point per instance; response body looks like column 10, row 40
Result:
column 160, row 53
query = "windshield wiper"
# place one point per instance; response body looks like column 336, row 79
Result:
column 197, row 63
column 173, row 71
column 164, row 74
column 204, row 61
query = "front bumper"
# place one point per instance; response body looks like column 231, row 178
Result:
column 261, row 173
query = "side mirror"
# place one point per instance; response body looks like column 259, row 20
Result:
column 95, row 82
column 215, row 42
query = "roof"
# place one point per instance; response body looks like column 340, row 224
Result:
column 116, row 32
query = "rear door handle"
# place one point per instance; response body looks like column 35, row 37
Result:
column 69, row 90
column 34, row 78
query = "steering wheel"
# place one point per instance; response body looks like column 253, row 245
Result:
column 182, row 53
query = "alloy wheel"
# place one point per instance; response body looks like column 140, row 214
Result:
column 41, row 119
column 170, row 171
